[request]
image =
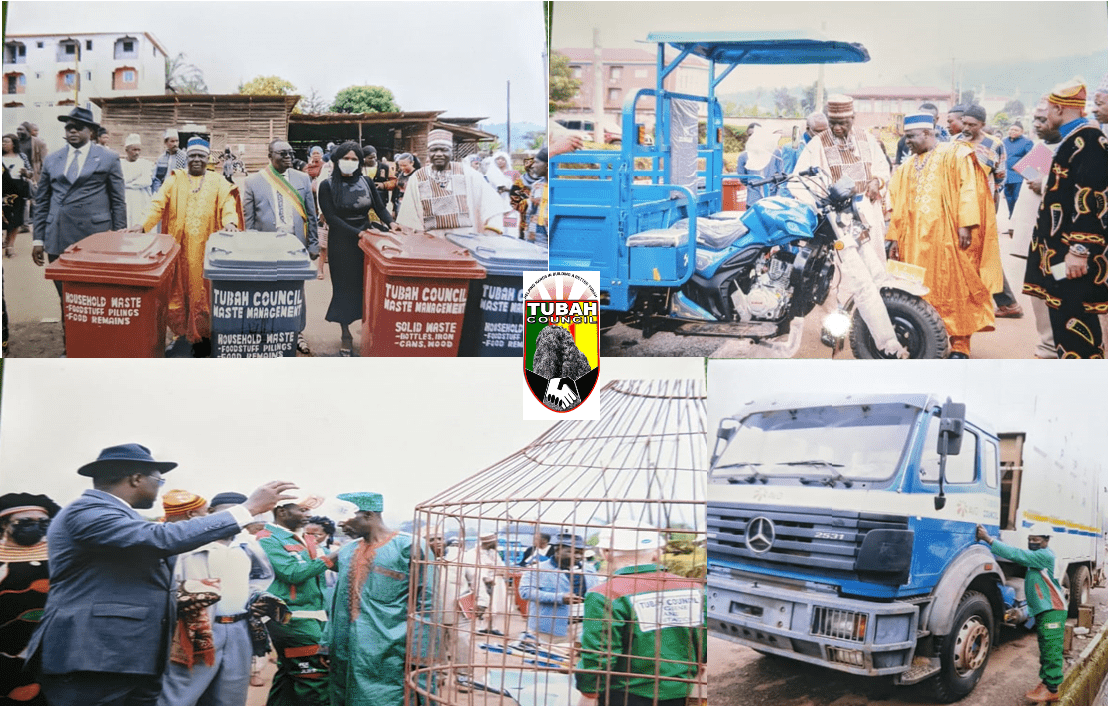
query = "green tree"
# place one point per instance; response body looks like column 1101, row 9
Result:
column 182, row 77
column 267, row 86
column 535, row 140
column 563, row 87
column 1002, row 120
column 365, row 99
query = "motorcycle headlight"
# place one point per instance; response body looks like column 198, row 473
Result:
column 836, row 324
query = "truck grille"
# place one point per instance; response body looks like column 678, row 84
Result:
column 811, row 541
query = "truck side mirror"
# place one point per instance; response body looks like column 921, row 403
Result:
column 952, row 426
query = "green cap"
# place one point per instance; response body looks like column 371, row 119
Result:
column 368, row 502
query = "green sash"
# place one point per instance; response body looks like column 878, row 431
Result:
column 279, row 182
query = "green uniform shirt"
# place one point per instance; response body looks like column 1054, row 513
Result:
column 646, row 622
column 1041, row 593
column 297, row 577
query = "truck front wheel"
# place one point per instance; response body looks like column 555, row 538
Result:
column 1079, row 588
column 965, row 651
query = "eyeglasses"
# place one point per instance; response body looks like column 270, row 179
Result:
column 75, row 127
column 158, row 478
column 284, row 153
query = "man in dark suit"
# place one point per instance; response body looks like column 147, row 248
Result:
column 105, row 632
column 80, row 192
column 280, row 199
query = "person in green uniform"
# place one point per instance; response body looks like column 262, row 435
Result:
column 644, row 636
column 368, row 631
column 1044, row 600
column 298, row 568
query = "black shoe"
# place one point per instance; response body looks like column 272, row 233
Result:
column 958, row 356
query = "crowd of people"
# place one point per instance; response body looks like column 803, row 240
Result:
column 100, row 605
column 326, row 201
column 936, row 204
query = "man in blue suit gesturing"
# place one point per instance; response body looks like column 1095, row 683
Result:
column 105, row 632
column 80, row 192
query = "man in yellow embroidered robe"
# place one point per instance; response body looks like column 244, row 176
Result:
column 192, row 204
column 943, row 220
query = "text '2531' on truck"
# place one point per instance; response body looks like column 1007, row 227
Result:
column 841, row 532
column 651, row 218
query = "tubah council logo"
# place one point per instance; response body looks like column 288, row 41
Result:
column 561, row 338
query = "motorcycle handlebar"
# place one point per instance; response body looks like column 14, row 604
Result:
column 780, row 178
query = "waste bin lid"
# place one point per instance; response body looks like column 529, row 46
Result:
column 420, row 254
column 502, row 255
column 252, row 255
column 120, row 251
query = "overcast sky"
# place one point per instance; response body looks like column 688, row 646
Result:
column 407, row 428
column 450, row 56
column 1013, row 395
column 902, row 37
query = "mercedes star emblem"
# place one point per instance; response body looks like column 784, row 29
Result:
column 760, row 534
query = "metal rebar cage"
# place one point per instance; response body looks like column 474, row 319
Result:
column 612, row 604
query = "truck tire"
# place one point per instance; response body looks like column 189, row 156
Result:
column 1080, row 582
column 918, row 326
column 965, row 651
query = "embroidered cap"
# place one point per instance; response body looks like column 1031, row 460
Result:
column 198, row 144
column 440, row 137
column 917, row 121
column 133, row 139
column 840, row 106
column 367, row 502
column 181, row 502
column 1070, row 94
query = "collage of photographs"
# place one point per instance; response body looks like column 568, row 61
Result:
column 776, row 224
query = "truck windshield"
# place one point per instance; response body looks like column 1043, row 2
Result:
column 818, row 445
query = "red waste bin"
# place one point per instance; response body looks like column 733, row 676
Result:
column 416, row 287
column 115, row 287
column 734, row 195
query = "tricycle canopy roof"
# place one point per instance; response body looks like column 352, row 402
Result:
column 762, row 47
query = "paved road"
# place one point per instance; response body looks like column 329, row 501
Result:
column 738, row 676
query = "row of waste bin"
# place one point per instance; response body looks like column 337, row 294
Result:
column 424, row 295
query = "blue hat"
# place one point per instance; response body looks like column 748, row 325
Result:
column 230, row 498
column 367, row 502
column 565, row 539
column 198, row 143
column 916, row 121
column 125, row 456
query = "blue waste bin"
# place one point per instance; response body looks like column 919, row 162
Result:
column 494, row 310
column 257, row 292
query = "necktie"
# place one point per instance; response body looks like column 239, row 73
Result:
column 73, row 172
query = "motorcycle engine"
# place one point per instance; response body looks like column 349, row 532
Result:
column 769, row 294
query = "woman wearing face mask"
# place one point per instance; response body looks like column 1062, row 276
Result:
column 345, row 201
column 23, row 583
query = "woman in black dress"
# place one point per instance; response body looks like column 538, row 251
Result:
column 345, row 200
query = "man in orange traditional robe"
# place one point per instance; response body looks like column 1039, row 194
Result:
column 943, row 221
column 191, row 205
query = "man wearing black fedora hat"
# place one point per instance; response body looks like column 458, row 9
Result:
column 80, row 192
column 105, row 632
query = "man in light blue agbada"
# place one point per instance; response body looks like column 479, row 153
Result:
column 368, row 630
column 554, row 586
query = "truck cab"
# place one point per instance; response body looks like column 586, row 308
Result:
column 841, row 533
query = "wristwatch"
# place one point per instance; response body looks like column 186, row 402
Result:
column 1079, row 250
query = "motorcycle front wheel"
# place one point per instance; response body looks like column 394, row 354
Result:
column 919, row 328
